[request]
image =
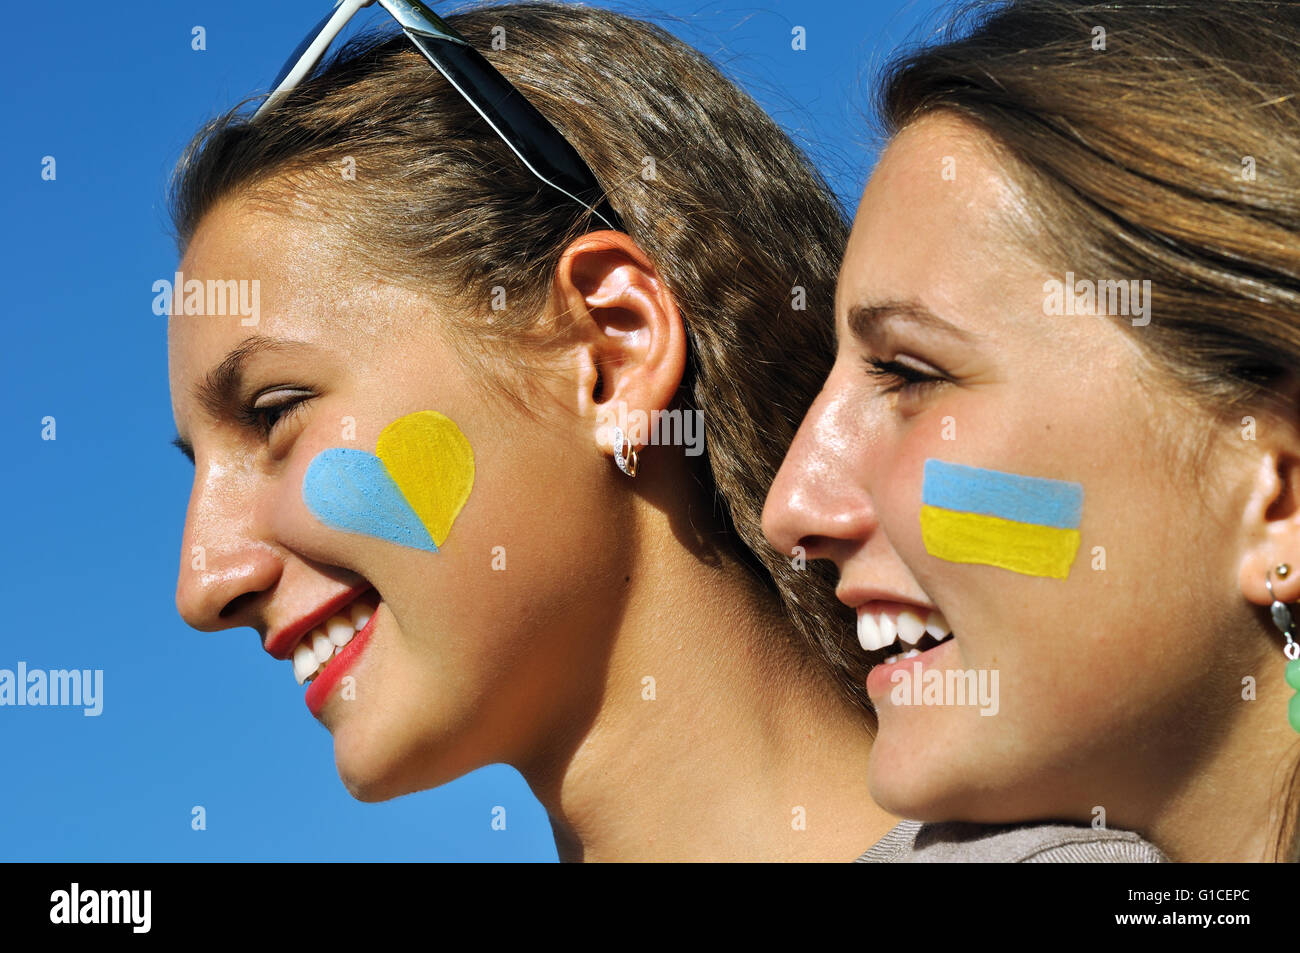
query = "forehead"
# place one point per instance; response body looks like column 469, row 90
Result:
column 295, row 270
column 934, row 223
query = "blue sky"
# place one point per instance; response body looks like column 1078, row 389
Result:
column 193, row 719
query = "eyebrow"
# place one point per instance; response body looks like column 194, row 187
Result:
column 218, row 391
column 863, row 319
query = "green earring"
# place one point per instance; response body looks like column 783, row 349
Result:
column 1293, row 679
column 1285, row 623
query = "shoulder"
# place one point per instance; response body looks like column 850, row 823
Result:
column 912, row 842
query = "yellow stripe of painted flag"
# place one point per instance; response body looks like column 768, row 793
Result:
column 992, row 541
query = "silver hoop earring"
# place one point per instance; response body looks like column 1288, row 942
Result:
column 624, row 454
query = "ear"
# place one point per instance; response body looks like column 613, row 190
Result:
column 1272, row 524
column 632, row 349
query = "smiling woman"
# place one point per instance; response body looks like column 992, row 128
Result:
column 1100, row 504
column 412, row 479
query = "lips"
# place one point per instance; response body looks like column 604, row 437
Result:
column 281, row 644
column 897, row 632
column 915, row 662
column 322, row 645
column 332, row 673
column 318, row 647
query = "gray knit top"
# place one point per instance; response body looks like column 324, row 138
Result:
column 912, row 842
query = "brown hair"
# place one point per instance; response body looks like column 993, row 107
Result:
column 1160, row 140
column 743, row 230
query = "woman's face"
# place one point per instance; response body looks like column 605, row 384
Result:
column 473, row 648
column 1095, row 660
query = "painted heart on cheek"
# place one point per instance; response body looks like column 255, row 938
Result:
column 408, row 492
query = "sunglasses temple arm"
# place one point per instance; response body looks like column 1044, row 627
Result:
column 537, row 143
column 344, row 11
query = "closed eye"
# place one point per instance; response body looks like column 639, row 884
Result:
column 272, row 409
column 900, row 376
column 264, row 415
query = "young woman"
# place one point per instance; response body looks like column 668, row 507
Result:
column 432, row 471
column 1063, row 420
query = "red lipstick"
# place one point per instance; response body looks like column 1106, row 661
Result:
column 280, row 644
column 321, row 686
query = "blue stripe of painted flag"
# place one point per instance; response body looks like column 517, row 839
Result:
column 1024, row 499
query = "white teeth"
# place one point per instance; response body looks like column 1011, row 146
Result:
column 877, row 630
column 869, row 632
column 937, row 625
column 910, row 627
column 304, row 662
column 339, row 630
column 912, row 654
column 321, row 645
column 328, row 640
column 360, row 614
column 891, row 660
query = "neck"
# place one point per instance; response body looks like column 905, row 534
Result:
column 715, row 739
column 1231, row 805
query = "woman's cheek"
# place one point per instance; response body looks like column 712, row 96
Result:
column 409, row 492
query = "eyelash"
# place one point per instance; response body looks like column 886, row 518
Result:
column 906, row 378
column 258, row 417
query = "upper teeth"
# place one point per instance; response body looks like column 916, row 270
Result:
column 322, row 643
column 879, row 629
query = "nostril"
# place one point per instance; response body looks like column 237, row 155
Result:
column 817, row 547
column 237, row 605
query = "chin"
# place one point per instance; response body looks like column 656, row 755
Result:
column 370, row 782
column 909, row 781
column 908, row 797
column 376, row 768
column 371, row 768
column 932, row 788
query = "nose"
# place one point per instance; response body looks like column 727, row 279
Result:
column 818, row 501
column 225, row 565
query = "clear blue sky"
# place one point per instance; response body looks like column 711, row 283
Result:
column 95, row 515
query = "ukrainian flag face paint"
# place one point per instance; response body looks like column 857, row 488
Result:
column 1029, row 525
column 409, row 491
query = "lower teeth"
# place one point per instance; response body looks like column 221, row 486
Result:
column 360, row 612
column 918, row 649
column 323, row 665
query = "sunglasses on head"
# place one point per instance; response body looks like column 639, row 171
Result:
column 539, row 145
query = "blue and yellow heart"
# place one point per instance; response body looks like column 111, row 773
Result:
column 409, row 491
